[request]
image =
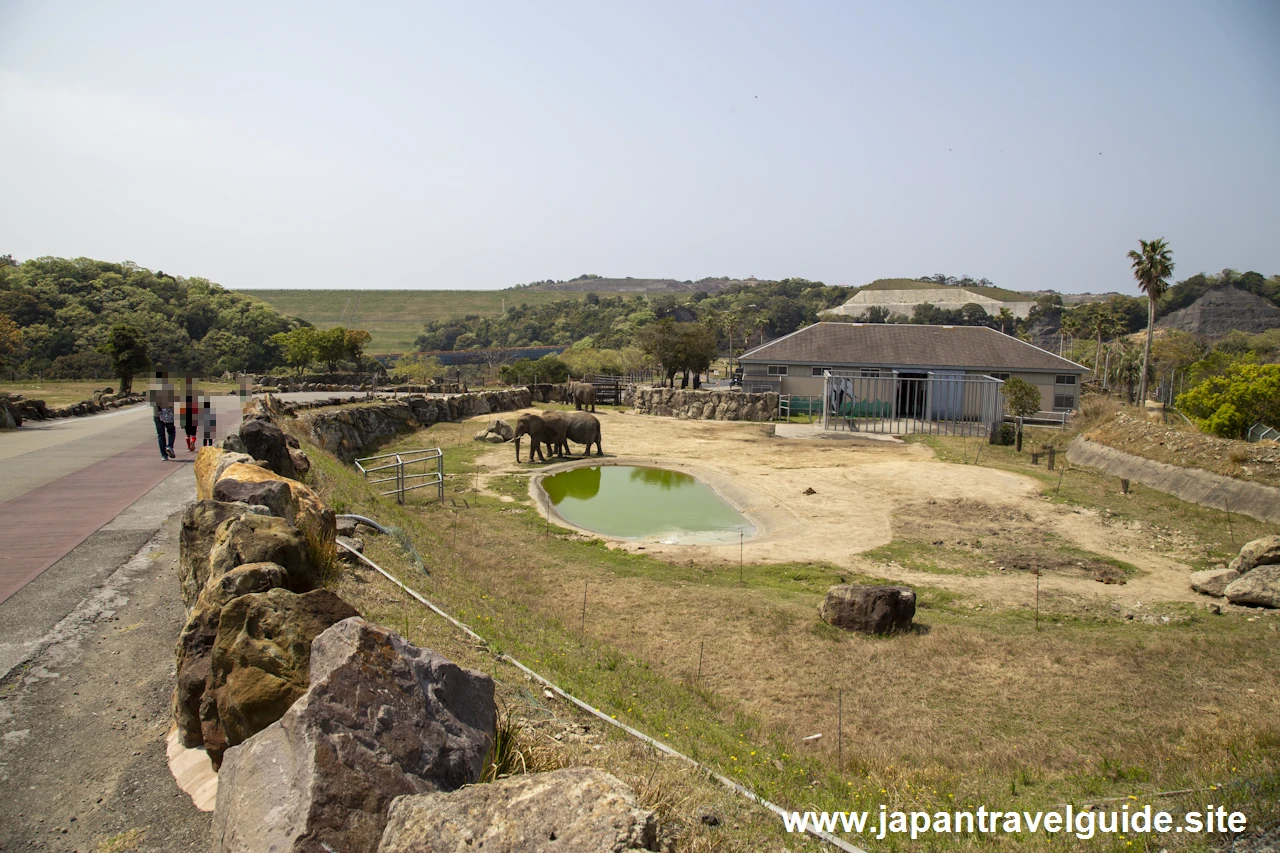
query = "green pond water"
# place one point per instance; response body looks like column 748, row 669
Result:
column 644, row 503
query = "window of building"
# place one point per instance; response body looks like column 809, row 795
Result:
column 1063, row 402
column 1001, row 376
column 1064, row 379
column 762, row 389
column 869, row 371
column 817, row 371
column 777, row 370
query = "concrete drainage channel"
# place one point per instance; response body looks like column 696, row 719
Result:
column 635, row 733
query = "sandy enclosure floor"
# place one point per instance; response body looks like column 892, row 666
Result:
column 866, row 493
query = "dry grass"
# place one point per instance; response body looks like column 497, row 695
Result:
column 65, row 391
column 982, row 708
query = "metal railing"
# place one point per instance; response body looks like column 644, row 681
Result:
column 796, row 404
column 902, row 403
column 402, row 475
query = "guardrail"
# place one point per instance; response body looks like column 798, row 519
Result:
column 405, row 479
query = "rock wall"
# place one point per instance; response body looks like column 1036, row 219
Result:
column 351, row 430
column 15, row 408
column 1189, row 484
column 706, row 405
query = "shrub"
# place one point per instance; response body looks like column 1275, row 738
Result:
column 1229, row 404
column 1021, row 398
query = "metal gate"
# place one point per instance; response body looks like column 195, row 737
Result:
column 402, row 474
column 902, row 403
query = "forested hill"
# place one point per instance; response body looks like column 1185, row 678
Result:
column 65, row 308
column 599, row 284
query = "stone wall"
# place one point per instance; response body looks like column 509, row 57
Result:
column 1190, row 484
column 350, row 431
column 706, row 405
column 15, row 408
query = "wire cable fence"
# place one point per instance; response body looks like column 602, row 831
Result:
column 900, row 403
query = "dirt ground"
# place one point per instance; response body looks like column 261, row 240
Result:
column 82, row 759
column 867, row 493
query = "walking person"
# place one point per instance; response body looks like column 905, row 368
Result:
column 162, row 414
column 190, row 412
column 208, row 422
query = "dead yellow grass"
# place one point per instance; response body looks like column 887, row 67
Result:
column 980, row 708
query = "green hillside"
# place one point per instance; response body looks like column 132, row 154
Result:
column 395, row 317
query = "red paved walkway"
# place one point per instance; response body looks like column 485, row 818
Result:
column 43, row 525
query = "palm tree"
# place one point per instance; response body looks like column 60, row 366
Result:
column 1005, row 316
column 1151, row 267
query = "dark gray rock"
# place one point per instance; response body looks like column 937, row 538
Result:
column 870, row 609
column 264, row 440
column 273, row 494
column 575, row 810
column 381, row 719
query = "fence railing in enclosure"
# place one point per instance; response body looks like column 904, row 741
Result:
column 1260, row 432
column 797, row 405
column 402, row 474
column 899, row 403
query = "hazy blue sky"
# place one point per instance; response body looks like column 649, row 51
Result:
column 480, row 145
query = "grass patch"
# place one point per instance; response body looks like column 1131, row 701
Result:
column 986, row 708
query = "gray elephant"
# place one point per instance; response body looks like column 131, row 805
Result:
column 582, row 427
column 581, row 394
column 547, row 428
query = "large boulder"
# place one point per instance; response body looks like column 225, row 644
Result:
column 1259, row 588
column 381, row 719
column 502, row 428
column 200, row 523
column 263, row 539
column 310, row 512
column 195, row 643
column 210, row 464
column 275, row 495
column 575, row 810
column 1259, row 552
column 264, row 440
column 870, row 609
column 261, row 661
column 1213, row 581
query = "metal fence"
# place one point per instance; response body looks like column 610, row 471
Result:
column 403, row 473
column 901, row 403
column 799, row 406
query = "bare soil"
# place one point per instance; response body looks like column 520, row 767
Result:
column 1187, row 447
column 866, row 494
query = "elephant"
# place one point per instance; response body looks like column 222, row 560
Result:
column 581, row 394
column 582, row 427
column 547, row 428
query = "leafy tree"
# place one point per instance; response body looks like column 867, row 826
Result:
column 1229, row 404
column 877, row 314
column 661, row 341
column 355, row 342
column 526, row 371
column 10, row 342
column 420, row 368
column 1152, row 267
column 1021, row 398
column 331, row 347
column 695, row 350
column 129, row 354
column 299, row 347
column 1005, row 317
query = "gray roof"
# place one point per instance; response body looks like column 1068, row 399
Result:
column 895, row 345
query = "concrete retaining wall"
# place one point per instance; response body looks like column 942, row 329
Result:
column 1190, row 484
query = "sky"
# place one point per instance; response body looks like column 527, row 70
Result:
column 482, row 145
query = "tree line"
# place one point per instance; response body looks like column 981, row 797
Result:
column 77, row 318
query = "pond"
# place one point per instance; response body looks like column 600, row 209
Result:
column 654, row 504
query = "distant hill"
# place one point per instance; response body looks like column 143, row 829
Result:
column 597, row 284
column 999, row 294
column 395, row 317
column 1223, row 310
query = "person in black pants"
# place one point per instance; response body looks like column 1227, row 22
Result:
column 165, row 429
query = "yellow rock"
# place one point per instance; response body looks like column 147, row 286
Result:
column 206, row 471
column 311, row 512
